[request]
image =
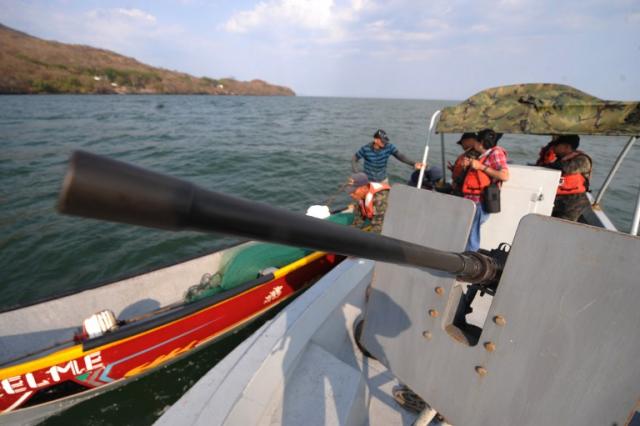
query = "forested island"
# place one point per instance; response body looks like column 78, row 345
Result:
column 29, row 65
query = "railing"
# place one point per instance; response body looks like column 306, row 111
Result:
column 596, row 203
column 426, row 148
column 636, row 217
column 613, row 171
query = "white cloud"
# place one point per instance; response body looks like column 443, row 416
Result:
column 119, row 15
column 329, row 23
column 513, row 3
column 118, row 29
column 310, row 14
column 315, row 15
column 380, row 31
column 136, row 14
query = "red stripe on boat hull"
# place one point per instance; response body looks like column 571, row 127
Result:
column 141, row 353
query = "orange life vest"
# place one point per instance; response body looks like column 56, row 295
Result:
column 546, row 156
column 366, row 205
column 574, row 183
column 476, row 180
column 458, row 169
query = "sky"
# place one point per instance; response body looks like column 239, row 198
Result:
column 437, row 49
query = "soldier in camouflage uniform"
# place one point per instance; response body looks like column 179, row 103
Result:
column 371, row 198
column 571, row 199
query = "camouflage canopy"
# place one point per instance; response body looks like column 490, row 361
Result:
column 541, row 109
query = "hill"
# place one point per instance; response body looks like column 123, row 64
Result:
column 32, row 65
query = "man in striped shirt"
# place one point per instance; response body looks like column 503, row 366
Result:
column 376, row 155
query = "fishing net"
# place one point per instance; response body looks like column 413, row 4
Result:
column 252, row 262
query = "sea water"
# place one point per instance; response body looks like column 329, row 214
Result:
column 290, row 152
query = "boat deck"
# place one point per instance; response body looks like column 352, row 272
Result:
column 302, row 367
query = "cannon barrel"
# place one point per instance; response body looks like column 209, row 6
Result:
column 103, row 188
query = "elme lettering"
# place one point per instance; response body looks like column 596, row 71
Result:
column 55, row 374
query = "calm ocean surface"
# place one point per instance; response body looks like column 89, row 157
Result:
column 288, row 152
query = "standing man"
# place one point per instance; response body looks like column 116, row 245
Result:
column 371, row 199
column 571, row 199
column 376, row 155
column 491, row 166
column 458, row 169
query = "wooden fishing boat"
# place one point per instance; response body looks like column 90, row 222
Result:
column 52, row 356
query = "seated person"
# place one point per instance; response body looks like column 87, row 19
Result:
column 431, row 179
column 371, row 198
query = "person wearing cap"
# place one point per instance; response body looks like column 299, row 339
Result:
column 490, row 167
column 571, row 199
column 376, row 155
column 371, row 199
column 458, row 170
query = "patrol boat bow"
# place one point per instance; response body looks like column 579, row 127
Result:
column 557, row 344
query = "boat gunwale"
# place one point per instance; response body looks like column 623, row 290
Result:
column 177, row 313
column 188, row 308
column 163, row 318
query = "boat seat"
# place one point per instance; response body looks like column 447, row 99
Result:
column 530, row 189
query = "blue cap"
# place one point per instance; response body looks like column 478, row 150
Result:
column 434, row 174
column 431, row 176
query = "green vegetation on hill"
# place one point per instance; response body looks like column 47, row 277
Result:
column 32, row 65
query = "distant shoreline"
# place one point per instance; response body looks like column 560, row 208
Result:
column 29, row 65
column 146, row 94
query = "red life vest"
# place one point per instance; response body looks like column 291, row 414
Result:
column 574, row 183
column 366, row 205
column 476, row 180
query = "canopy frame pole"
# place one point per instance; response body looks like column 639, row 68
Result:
column 613, row 171
column 636, row 217
column 426, row 148
column 444, row 166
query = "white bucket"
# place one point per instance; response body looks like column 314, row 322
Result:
column 99, row 323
